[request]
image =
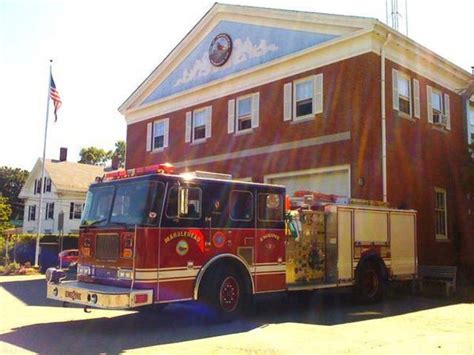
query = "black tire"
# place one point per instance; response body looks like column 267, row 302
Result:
column 370, row 284
column 225, row 294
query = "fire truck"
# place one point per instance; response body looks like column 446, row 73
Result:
column 151, row 236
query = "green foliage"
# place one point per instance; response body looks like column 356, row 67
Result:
column 94, row 156
column 120, row 152
column 11, row 182
column 5, row 213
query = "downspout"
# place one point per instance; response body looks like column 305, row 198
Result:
column 384, row 118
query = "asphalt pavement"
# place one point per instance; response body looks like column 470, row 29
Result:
column 325, row 323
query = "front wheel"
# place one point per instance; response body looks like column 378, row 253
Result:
column 225, row 294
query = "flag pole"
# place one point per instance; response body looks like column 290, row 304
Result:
column 42, row 185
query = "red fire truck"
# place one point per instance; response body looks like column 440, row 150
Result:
column 151, row 236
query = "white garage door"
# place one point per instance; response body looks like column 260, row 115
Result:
column 329, row 182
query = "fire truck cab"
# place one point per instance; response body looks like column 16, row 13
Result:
column 150, row 236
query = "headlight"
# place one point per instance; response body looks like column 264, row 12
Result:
column 83, row 270
column 124, row 274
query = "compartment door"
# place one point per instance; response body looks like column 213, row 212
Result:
column 345, row 245
column 403, row 243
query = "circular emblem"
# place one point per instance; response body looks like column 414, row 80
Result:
column 218, row 239
column 182, row 247
column 220, row 49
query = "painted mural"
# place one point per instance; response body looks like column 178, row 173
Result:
column 252, row 46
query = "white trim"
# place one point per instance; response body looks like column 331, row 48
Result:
column 314, row 171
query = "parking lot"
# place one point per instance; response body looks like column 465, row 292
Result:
column 330, row 322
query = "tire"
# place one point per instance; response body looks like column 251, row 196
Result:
column 225, row 294
column 370, row 283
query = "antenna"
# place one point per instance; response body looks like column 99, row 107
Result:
column 393, row 16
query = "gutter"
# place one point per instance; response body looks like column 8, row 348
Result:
column 384, row 118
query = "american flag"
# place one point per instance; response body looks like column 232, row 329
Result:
column 54, row 95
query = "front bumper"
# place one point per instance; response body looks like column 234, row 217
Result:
column 99, row 296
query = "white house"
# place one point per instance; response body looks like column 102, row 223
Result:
column 65, row 187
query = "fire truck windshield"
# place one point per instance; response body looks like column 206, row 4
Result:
column 124, row 203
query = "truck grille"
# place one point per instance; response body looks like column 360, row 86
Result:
column 107, row 247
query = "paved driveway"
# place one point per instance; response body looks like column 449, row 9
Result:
column 329, row 323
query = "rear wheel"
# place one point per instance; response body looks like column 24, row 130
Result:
column 370, row 283
column 225, row 293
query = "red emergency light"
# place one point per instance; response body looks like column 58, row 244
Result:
column 165, row 168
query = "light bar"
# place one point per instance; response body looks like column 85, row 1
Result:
column 165, row 168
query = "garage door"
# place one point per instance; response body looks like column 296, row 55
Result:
column 329, row 182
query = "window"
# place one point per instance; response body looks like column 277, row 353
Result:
column 303, row 98
column 47, row 186
column 157, row 135
column 184, row 202
column 270, row 207
column 438, row 108
column 441, row 218
column 243, row 113
column 406, row 94
column 32, row 213
column 198, row 125
column 49, row 210
column 75, row 210
column 241, row 205
column 37, row 186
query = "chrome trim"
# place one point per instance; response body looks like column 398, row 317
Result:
column 212, row 261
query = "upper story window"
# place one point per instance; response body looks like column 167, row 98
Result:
column 46, row 186
column 438, row 108
column 198, row 125
column 406, row 94
column 157, row 135
column 441, row 216
column 303, row 98
column 243, row 113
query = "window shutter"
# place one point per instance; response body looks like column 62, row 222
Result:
column 208, row 121
column 429, row 92
column 166, row 123
column 230, row 116
column 318, row 94
column 187, row 134
column 287, row 101
column 395, row 89
column 255, row 109
column 447, row 112
column 36, row 183
column 149, row 127
column 71, row 210
column 416, row 98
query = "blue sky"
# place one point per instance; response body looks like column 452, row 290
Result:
column 102, row 50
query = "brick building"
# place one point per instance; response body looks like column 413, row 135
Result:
column 330, row 103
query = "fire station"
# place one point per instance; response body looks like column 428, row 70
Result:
column 344, row 105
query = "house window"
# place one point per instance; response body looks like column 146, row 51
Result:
column 243, row 113
column 38, row 186
column 49, row 211
column 32, row 213
column 159, row 132
column 303, row 98
column 404, row 94
column 157, row 135
column 437, row 107
column 47, row 185
column 75, row 210
column 198, row 125
column 441, row 217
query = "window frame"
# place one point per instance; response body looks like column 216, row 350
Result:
column 231, row 206
column 296, row 118
column 444, row 211
column 435, row 91
column 281, row 206
column 403, row 76
column 193, row 120
column 250, row 115
column 32, row 213
column 73, row 211
column 153, row 136
column 49, row 215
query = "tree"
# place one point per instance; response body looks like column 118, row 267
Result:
column 5, row 213
column 94, row 156
column 11, row 182
column 120, row 152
